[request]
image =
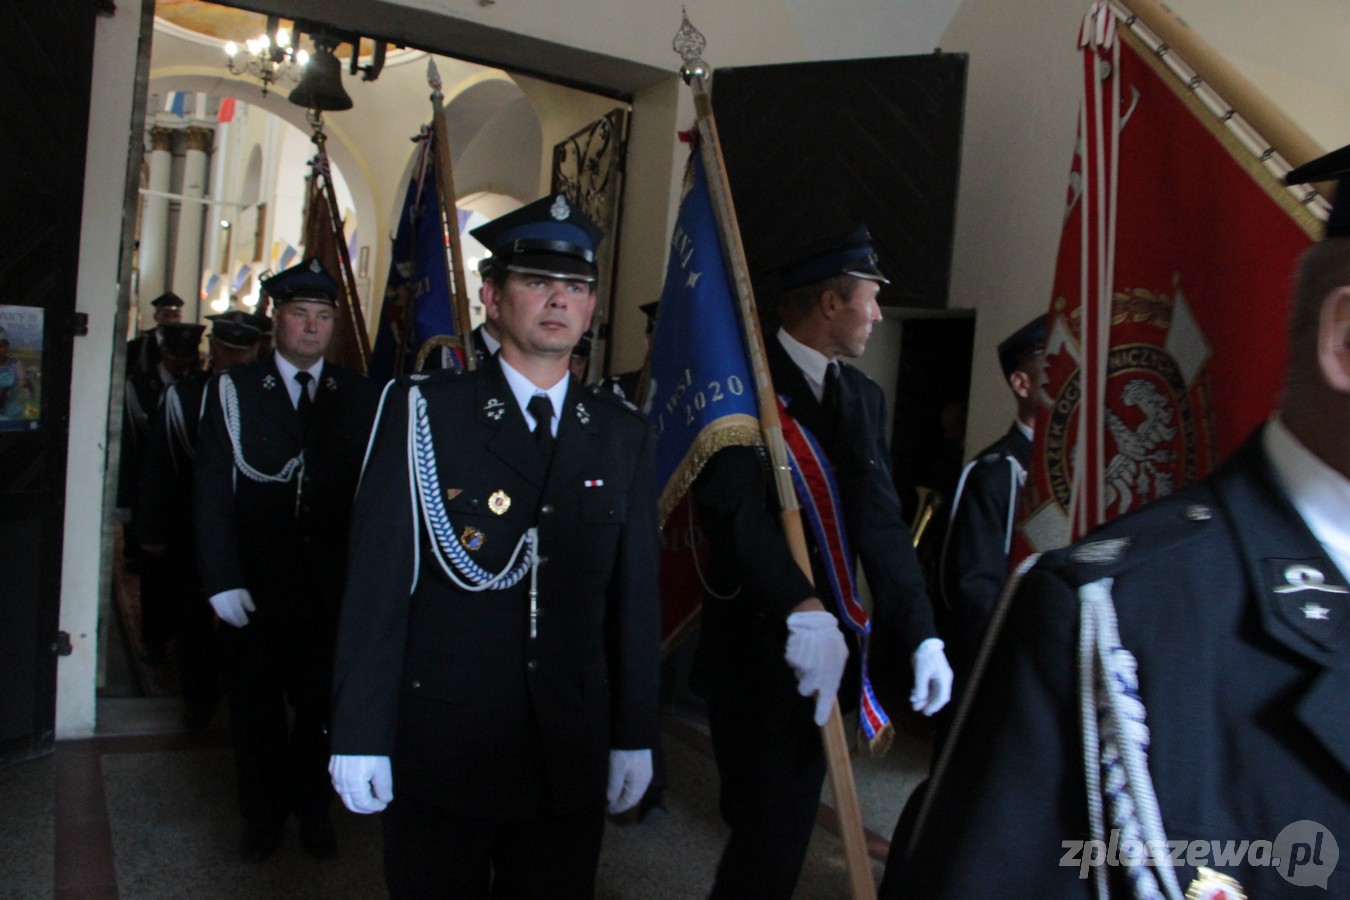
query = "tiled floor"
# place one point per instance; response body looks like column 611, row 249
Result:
column 144, row 812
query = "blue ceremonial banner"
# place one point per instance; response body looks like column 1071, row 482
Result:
column 417, row 299
column 702, row 390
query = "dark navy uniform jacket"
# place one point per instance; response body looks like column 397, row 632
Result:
column 479, row 718
column 742, row 640
column 285, row 542
column 975, row 554
column 1247, row 697
column 164, row 515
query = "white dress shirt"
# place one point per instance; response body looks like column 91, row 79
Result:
column 288, row 370
column 1319, row 493
column 523, row 389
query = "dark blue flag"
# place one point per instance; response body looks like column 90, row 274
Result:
column 702, row 390
column 417, row 298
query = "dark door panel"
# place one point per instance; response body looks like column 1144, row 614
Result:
column 813, row 148
column 46, row 114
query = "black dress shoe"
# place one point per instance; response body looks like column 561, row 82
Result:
column 258, row 842
column 317, row 837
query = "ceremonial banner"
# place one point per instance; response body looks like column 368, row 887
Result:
column 1166, row 342
column 701, row 393
column 323, row 240
column 417, row 302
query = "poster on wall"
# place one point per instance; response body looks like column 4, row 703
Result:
column 20, row 367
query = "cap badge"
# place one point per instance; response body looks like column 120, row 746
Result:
column 1211, row 885
column 418, row 377
column 498, row 502
column 269, row 382
column 560, row 210
column 315, row 267
column 472, row 538
column 1306, row 578
column 494, row 409
column 582, row 415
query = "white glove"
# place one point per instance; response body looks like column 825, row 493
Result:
column 630, row 773
column 365, row 783
column 932, row 678
column 817, row 654
column 233, row 606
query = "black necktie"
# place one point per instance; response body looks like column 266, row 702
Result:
column 305, row 406
column 829, row 394
column 829, row 403
column 542, row 409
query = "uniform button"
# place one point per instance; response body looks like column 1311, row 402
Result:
column 611, row 512
column 416, row 685
column 542, row 560
column 532, row 665
column 473, row 501
column 546, row 509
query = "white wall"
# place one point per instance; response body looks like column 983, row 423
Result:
column 1021, row 119
column 82, row 563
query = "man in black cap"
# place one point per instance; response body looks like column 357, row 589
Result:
column 143, row 351
column 164, row 520
column 770, row 639
column 627, row 384
column 974, row 565
column 498, row 656
column 1174, row 686
column 580, row 358
column 279, row 456
column 176, row 357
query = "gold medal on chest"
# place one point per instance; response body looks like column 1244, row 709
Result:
column 498, row 502
column 472, row 538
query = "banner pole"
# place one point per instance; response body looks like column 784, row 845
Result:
column 315, row 118
column 1268, row 120
column 445, row 192
column 840, row 767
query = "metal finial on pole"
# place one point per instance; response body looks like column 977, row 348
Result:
column 434, row 80
column 689, row 43
column 315, row 119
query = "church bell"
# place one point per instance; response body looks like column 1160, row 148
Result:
column 321, row 86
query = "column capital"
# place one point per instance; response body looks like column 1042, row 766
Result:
column 161, row 138
column 198, row 137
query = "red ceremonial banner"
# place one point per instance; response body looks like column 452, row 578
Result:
column 1166, row 340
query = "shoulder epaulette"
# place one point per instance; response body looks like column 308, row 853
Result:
column 1133, row 540
column 605, row 395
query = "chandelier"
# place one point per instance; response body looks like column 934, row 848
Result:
column 269, row 57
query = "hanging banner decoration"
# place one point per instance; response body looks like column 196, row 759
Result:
column 701, row 393
column 1166, row 344
column 324, row 240
column 417, row 294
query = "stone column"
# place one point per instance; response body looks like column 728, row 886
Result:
column 187, row 255
column 154, row 236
